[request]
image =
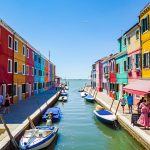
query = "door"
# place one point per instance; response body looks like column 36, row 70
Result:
column 4, row 90
column 19, row 92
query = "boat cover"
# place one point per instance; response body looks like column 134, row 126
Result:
column 104, row 112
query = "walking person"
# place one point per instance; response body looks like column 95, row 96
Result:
column 144, row 119
column 7, row 104
column 123, row 103
column 130, row 102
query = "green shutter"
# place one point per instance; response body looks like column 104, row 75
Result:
column 147, row 21
column 141, row 26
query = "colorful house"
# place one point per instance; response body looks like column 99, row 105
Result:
column 93, row 76
column 112, row 75
column 46, row 80
column 6, row 60
column 121, row 69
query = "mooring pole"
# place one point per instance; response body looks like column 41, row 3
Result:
column 9, row 134
column 31, row 123
column 117, row 107
column 112, row 104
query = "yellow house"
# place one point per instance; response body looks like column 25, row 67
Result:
column 145, row 40
column 19, row 68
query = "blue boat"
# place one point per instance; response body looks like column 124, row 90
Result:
column 38, row 138
column 89, row 98
column 56, row 114
column 64, row 93
column 105, row 116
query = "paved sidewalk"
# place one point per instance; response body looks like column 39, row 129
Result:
column 21, row 110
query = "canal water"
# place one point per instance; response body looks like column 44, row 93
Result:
column 80, row 130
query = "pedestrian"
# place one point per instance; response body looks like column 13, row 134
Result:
column 144, row 119
column 130, row 102
column 7, row 104
column 1, row 100
column 138, row 104
column 123, row 103
column 49, row 119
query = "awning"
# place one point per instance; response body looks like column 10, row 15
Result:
column 139, row 87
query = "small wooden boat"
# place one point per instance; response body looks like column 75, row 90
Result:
column 89, row 98
column 105, row 116
column 38, row 138
column 56, row 114
column 83, row 94
column 63, row 98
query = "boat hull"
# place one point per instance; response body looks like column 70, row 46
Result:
column 110, row 120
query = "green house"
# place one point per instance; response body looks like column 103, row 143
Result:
column 121, row 66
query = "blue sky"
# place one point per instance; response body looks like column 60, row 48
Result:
column 77, row 32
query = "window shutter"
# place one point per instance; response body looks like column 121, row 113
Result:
column 148, row 21
column 149, row 59
column 141, row 26
column 135, row 63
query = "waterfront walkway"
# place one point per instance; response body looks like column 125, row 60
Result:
column 139, row 133
column 21, row 110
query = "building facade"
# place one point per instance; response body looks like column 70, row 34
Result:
column 22, row 67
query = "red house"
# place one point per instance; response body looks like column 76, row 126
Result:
column 6, row 59
column 29, row 70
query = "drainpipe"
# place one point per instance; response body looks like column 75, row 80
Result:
column 13, row 68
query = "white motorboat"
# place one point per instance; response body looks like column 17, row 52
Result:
column 38, row 138
column 63, row 98
column 83, row 94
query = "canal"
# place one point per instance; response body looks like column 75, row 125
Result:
column 80, row 130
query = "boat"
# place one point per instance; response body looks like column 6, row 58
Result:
column 56, row 114
column 38, row 138
column 66, row 88
column 83, row 94
column 98, row 107
column 64, row 93
column 89, row 98
column 105, row 116
column 63, row 98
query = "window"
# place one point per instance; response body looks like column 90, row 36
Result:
column 35, row 73
column 23, row 50
column 27, row 69
column 27, row 53
column 32, row 55
column 117, row 68
column 35, row 57
column 146, row 60
column 125, row 66
column 125, row 41
column 16, row 45
column 35, row 86
column 15, row 90
column 23, row 88
column 10, row 42
column 129, row 40
column 39, row 60
column 129, row 62
column 9, row 66
column 39, row 85
column 137, row 34
column 113, row 66
column 137, row 60
column 32, row 71
column 15, row 67
column 40, row 73
column 145, row 24
column 9, row 88
column 23, row 69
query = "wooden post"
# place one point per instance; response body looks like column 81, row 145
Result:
column 9, row 134
column 112, row 104
column 31, row 123
column 117, row 107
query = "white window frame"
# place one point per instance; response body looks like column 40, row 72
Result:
column 33, row 56
column 10, row 66
column 27, row 73
column 24, row 51
column 9, row 36
column 23, row 69
column 14, row 67
column 16, row 50
column 136, row 34
column 27, row 52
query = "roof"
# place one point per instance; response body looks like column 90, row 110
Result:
column 139, row 87
column 131, row 28
column 148, row 5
